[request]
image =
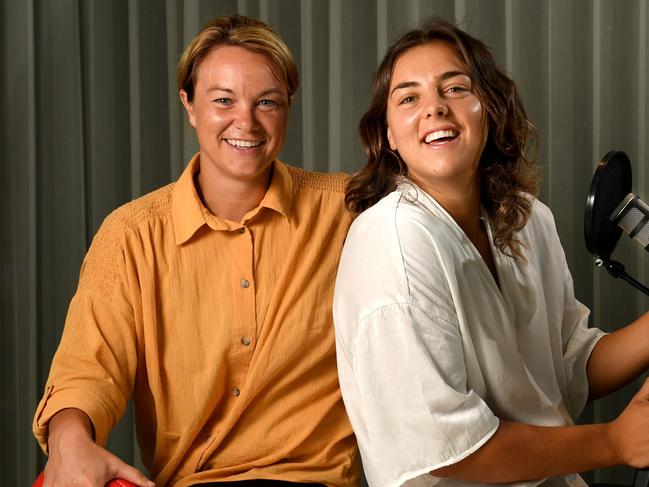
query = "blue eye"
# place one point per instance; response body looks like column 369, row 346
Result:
column 268, row 103
column 223, row 101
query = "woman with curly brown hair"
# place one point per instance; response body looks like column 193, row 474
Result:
column 463, row 355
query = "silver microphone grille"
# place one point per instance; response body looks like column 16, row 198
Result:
column 632, row 216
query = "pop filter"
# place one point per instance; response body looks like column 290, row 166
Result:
column 610, row 185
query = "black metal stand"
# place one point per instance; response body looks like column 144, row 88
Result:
column 617, row 270
column 640, row 479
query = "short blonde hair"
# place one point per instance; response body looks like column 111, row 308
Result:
column 241, row 31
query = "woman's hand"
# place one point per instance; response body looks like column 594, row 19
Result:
column 629, row 433
column 75, row 459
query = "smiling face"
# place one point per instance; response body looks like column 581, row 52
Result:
column 435, row 121
column 240, row 113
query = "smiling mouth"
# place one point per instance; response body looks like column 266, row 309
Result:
column 244, row 144
column 441, row 136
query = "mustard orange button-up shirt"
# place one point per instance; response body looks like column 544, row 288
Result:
column 222, row 332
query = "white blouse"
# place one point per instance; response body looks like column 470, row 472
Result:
column 431, row 352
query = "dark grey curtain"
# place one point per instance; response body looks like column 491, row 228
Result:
column 90, row 119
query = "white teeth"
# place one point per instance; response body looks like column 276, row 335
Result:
column 439, row 134
column 243, row 144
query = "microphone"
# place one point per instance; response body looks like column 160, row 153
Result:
column 611, row 208
column 632, row 216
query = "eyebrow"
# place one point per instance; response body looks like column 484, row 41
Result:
column 271, row 91
column 263, row 93
column 442, row 77
column 218, row 88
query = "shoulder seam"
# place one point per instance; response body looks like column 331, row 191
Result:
column 154, row 205
column 407, row 304
column 333, row 182
column 403, row 259
column 108, row 242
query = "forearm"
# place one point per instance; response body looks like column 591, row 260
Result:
column 69, row 423
column 519, row 452
column 618, row 358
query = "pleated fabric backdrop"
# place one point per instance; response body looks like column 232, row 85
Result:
column 90, row 118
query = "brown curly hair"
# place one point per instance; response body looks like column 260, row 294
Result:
column 508, row 175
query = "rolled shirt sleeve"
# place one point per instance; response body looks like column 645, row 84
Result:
column 94, row 367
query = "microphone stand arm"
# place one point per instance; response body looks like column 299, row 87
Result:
column 617, row 270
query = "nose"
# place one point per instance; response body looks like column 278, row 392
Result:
column 437, row 106
column 439, row 109
column 245, row 117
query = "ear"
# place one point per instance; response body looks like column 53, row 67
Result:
column 291, row 99
column 393, row 145
column 189, row 107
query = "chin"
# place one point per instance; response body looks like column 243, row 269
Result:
column 250, row 173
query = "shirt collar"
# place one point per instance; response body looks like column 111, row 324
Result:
column 415, row 193
column 189, row 214
column 279, row 195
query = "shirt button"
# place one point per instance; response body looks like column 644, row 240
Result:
column 242, row 230
column 245, row 283
column 245, row 341
column 236, row 391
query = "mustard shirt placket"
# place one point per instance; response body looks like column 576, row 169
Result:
column 245, row 328
column 263, row 229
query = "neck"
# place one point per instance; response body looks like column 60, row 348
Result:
column 462, row 202
column 231, row 198
column 466, row 214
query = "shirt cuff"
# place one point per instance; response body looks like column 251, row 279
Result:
column 55, row 401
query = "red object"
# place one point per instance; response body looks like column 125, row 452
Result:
column 112, row 483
